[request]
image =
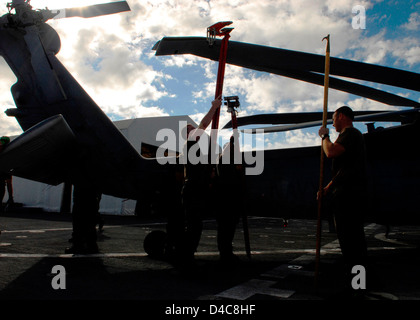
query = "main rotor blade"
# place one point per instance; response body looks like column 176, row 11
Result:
column 382, row 116
column 350, row 87
column 94, row 10
column 276, row 60
column 301, row 117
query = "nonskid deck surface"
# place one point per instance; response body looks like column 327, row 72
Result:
column 281, row 267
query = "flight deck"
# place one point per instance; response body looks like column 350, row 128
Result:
column 281, row 266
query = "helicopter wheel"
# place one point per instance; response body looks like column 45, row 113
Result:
column 155, row 243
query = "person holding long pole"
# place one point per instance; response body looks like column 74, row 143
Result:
column 348, row 188
column 321, row 174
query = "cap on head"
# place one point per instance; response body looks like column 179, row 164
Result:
column 347, row 111
column 4, row 140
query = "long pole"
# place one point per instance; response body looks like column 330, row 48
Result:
column 321, row 174
column 219, row 89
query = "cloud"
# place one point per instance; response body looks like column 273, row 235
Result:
column 377, row 49
column 406, row 51
column 292, row 139
column 149, row 112
column 8, row 126
column 112, row 59
column 413, row 23
column 110, row 68
column 179, row 61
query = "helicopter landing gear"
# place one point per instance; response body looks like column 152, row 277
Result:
column 155, row 244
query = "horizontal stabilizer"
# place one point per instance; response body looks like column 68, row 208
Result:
column 40, row 153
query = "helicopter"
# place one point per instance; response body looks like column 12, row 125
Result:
column 68, row 138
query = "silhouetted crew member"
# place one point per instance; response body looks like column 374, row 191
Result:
column 85, row 217
column 5, row 178
column 195, row 191
column 230, row 188
column 348, row 186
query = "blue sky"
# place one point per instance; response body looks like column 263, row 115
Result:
column 112, row 58
column 390, row 15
